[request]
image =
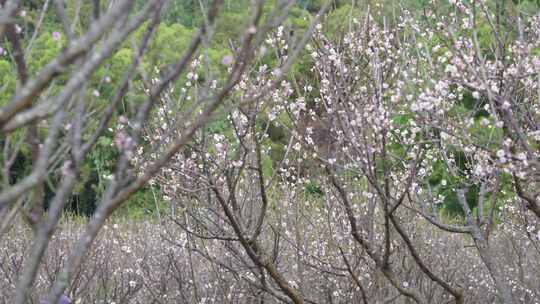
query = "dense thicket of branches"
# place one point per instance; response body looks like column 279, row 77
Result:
column 372, row 154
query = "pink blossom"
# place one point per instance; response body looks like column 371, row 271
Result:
column 123, row 120
column 227, row 60
column 56, row 36
column 536, row 62
column 122, row 141
column 66, row 168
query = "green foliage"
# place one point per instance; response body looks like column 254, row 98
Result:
column 167, row 45
column 276, row 133
column 170, row 40
column 119, row 63
column 186, row 12
column 144, row 203
column 313, row 189
column 173, row 37
column 485, row 38
column 7, row 81
column 267, row 165
column 44, row 49
column 277, row 152
column 339, row 20
column 452, row 205
column 527, row 7
column 81, row 11
column 311, row 6
column 230, row 25
column 218, row 126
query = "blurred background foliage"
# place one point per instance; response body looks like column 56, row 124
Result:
column 181, row 19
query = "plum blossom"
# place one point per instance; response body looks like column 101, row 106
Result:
column 227, row 60
column 122, row 141
column 123, row 120
column 536, row 63
column 66, row 168
column 56, row 36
